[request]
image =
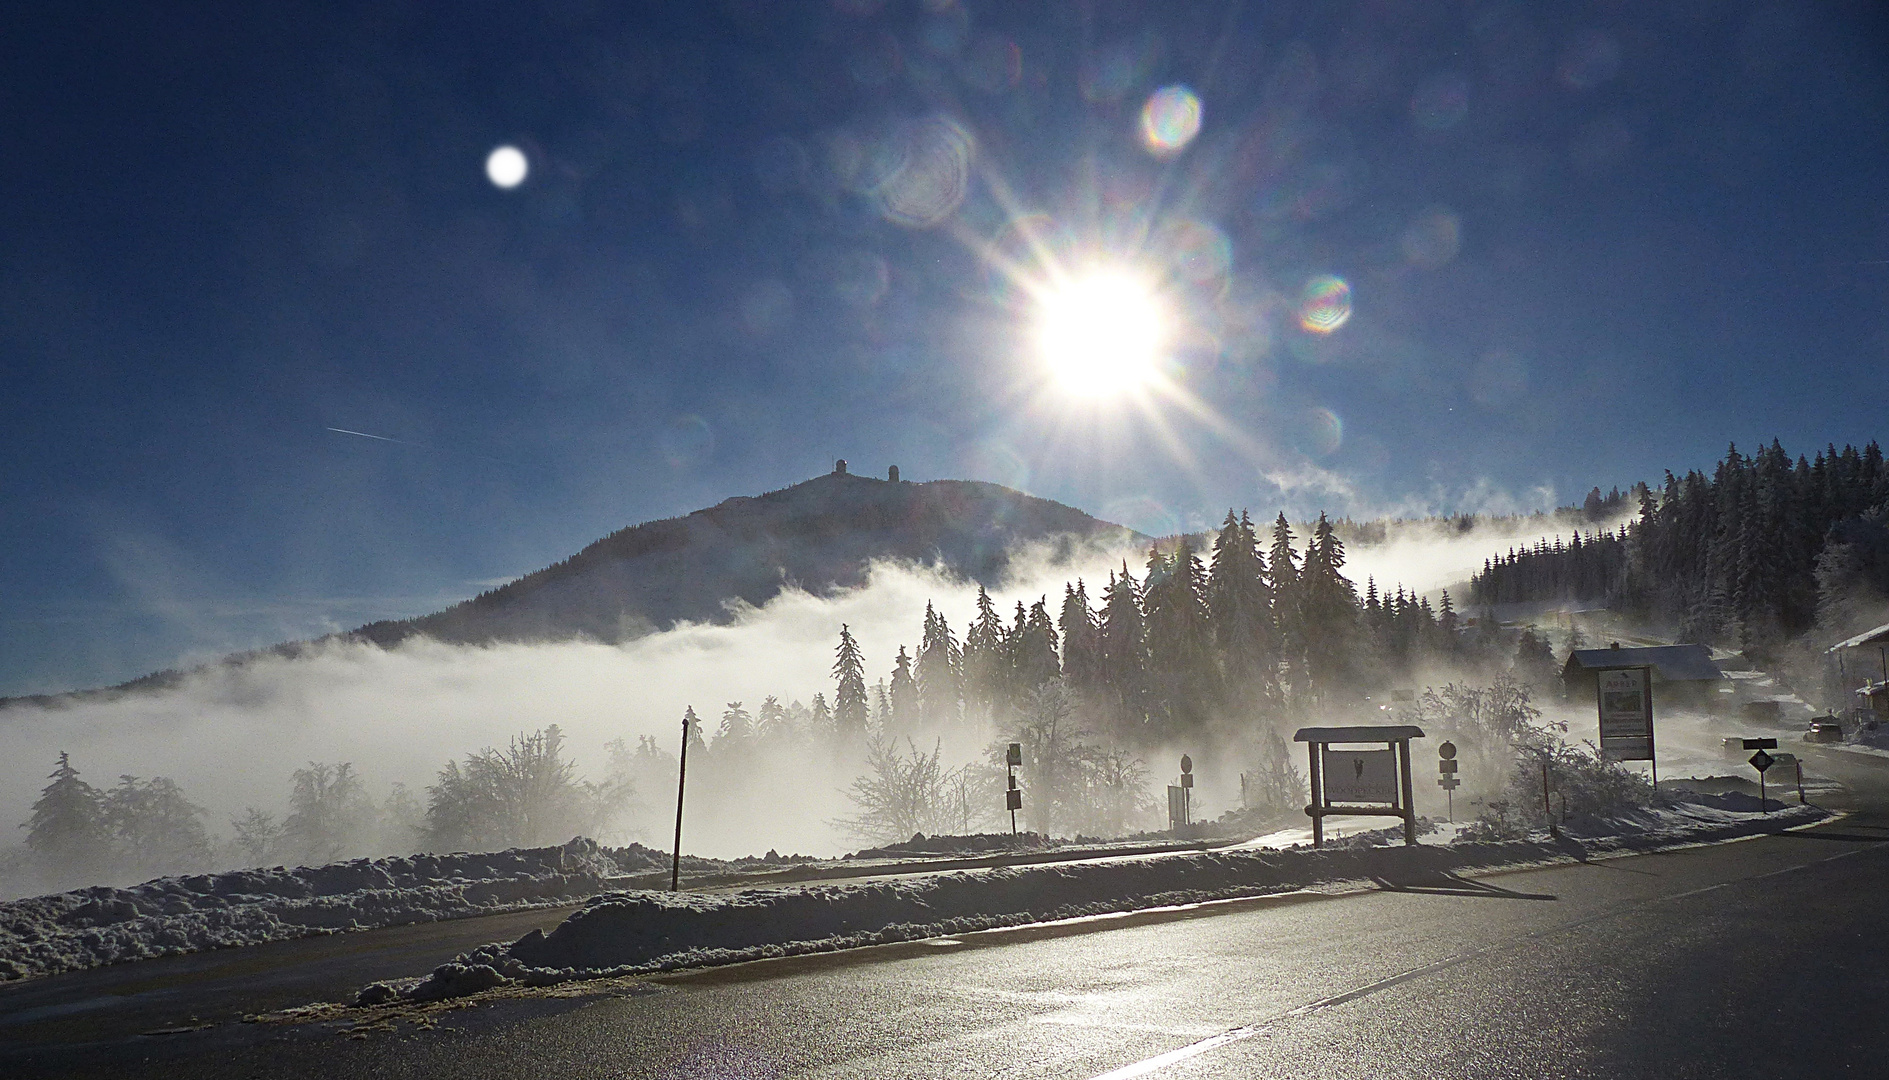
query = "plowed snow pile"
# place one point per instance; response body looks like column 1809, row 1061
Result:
column 630, row 932
column 45, row 935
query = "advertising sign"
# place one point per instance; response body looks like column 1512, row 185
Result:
column 1626, row 715
column 1360, row 776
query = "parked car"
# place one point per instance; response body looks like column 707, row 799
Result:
column 1824, row 729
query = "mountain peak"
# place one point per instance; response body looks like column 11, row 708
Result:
column 821, row 535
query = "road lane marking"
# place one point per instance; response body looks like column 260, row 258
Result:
column 1162, row 1061
column 1247, row 1031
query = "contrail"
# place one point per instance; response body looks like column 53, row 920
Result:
column 363, row 435
column 419, row 446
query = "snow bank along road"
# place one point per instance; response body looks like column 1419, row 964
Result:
column 195, row 990
column 635, row 932
column 1757, row 958
column 174, row 916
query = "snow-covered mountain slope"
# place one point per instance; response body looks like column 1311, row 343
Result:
column 820, row 536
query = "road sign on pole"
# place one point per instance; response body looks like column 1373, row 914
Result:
column 1762, row 762
column 1446, row 764
column 1013, row 798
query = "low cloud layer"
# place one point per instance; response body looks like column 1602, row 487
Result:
column 232, row 734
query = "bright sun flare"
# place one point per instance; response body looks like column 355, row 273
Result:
column 1102, row 333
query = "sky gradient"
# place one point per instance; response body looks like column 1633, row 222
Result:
column 1582, row 243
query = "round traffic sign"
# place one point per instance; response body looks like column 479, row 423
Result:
column 1447, row 750
column 1187, row 764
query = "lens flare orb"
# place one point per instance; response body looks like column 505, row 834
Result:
column 1170, row 120
column 1325, row 306
column 507, row 167
column 1102, row 334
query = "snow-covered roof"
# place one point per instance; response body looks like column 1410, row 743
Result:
column 1878, row 636
column 1378, row 733
column 1670, row 663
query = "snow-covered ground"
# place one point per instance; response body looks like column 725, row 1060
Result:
column 630, row 932
column 85, row 928
column 641, row 930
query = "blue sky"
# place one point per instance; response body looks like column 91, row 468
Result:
column 1583, row 244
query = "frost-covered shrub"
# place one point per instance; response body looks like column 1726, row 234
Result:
column 1580, row 787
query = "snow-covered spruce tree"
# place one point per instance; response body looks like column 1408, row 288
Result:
column 1082, row 647
column 1534, row 660
column 819, row 719
column 1037, row 659
column 734, row 740
column 901, row 697
column 939, row 673
column 1282, row 575
column 1180, row 642
column 67, row 833
column 1123, row 641
column 985, row 665
column 1328, row 614
column 850, row 713
column 1239, row 604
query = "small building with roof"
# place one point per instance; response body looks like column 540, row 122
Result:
column 1858, row 672
column 1682, row 674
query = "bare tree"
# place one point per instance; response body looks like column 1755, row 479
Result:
column 330, row 815
column 527, row 795
column 904, row 794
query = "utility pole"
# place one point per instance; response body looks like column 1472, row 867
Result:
column 682, row 778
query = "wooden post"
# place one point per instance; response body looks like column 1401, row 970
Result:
column 1402, row 749
column 1317, row 809
column 1652, row 754
column 682, row 778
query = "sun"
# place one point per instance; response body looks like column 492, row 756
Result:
column 1101, row 333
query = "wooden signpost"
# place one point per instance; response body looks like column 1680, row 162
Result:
column 1625, row 697
column 1361, row 781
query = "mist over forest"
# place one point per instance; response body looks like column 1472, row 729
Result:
column 238, row 741
column 824, row 724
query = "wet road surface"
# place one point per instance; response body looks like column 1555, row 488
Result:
column 1758, row 958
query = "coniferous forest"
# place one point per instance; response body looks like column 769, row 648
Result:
column 1219, row 652
column 1760, row 552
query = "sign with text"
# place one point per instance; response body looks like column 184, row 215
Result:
column 1360, row 776
column 1626, row 715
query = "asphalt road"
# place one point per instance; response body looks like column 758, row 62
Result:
column 1760, row 958
column 124, row 1001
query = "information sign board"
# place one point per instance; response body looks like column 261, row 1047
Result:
column 1626, row 715
column 1360, row 776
